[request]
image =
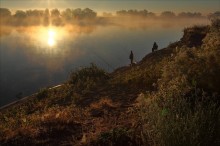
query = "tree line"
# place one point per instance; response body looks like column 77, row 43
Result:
column 57, row 17
column 164, row 14
column 45, row 17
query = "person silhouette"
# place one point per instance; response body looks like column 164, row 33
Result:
column 131, row 57
column 155, row 47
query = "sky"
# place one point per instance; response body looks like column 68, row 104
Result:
column 157, row 6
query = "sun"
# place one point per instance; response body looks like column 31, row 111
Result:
column 51, row 42
column 51, row 38
column 51, row 33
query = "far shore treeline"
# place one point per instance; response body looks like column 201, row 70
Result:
column 69, row 16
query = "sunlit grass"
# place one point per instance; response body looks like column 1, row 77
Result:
column 176, row 110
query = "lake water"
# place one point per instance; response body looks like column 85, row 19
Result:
column 35, row 57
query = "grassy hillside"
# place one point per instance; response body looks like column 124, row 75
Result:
column 171, row 97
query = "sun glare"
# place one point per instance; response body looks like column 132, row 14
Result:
column 51, row 38
column 48, row 37
column 51, row 42
column 51, row 33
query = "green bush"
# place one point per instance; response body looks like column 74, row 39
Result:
column 86, row 79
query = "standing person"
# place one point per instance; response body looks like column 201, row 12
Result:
column 155, row 46
column 131, row 57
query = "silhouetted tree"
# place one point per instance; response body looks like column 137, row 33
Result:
column 46, row 17
column 121, row 13
column 88, row 13
column 132, row 12
column 168, row 14
column 67, row 15
column 4, row 12
column 55, row 13
column 5, row 15
column 142, row 13
column 151, row 14
column 34, row 17
column 20, row 14
column 190, row 15
column 77, row 13
column 20, row 18
column 34, row 13
column 85, row 13
column 55, row 17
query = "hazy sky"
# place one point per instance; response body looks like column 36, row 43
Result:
column 204, row 6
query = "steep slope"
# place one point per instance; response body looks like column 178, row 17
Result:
column 136, row 105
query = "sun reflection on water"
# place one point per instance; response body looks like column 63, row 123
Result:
column 51, row 38
column 47, row 40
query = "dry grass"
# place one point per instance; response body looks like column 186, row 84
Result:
column 96, row 108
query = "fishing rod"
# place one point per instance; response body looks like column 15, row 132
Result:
column 102, row 59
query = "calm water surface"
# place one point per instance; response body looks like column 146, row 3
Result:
column 36, row 57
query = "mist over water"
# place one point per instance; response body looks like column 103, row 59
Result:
column 28, row 63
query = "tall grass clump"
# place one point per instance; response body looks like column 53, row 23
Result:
column 176, row 121
column 88, row 78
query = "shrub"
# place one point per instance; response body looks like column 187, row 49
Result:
column 85, row 79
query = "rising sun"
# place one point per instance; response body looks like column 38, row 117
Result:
column 51, row 38
column 51, row 42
